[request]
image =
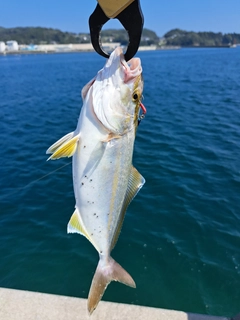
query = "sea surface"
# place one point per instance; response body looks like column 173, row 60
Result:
column 181, row 236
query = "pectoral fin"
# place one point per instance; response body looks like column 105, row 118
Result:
column 135, row 183
column 111, row 136
column 60, row 142
column 64, row 148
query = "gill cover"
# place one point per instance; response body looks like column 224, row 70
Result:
column 112, row 93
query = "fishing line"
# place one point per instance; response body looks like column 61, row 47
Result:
column 34, row 181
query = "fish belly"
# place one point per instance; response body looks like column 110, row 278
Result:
column 100, row 174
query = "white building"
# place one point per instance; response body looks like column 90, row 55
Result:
column 2, row 47
column 12, row 45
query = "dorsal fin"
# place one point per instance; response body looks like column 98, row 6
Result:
column 135, row 183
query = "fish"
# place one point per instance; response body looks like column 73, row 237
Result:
column 104, row 179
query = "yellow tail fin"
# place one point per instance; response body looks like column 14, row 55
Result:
column 105, row 273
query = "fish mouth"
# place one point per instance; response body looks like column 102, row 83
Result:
column 130, row 69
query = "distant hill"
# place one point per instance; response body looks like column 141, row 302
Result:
column 175, row 37
column 39, row 35
column 178, row 37
column 149, row 37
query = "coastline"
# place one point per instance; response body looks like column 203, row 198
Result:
column 77, row 48
column 89, row 48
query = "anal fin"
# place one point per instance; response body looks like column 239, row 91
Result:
column 75, row 225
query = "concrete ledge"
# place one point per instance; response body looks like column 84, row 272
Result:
column 25, row 305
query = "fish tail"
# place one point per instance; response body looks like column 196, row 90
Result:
column 105, row 273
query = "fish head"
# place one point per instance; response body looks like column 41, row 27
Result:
column 116, row 93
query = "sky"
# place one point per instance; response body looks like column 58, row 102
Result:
column 159, row 15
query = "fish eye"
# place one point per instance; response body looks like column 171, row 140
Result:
column 135, row 96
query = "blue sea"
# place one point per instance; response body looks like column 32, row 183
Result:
column 181, row 236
